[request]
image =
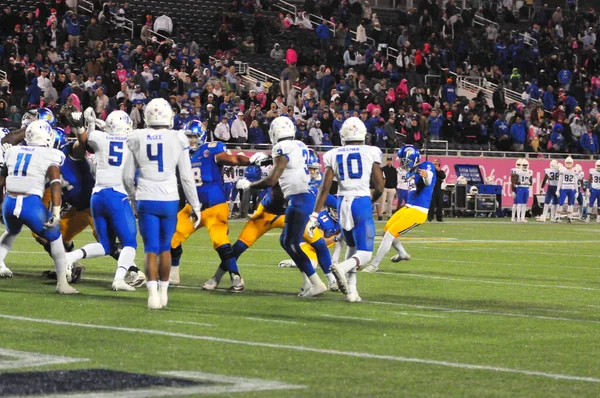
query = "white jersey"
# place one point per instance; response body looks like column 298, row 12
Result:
column 265, row 171
column 553, row 176
column 295, row 178
column 595, row 177
column 402, row 181
column 27, row 168
column 524, row 177
column 158, row 153
column 238, row 173
column 352, row 165
column 229, row 178
column 568, row 179
column 110, row 154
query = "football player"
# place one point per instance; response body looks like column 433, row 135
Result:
column 290, row 170
column 594, row 191
column 159, row 152
column 513, row 180
column 26, row 170
column 580, row 190
column 110, row 208
column 421, row 178
column 551, row 176
column 354, row 166
column 401, row 187
column 207, row 160
column 521, row 181
column 566, row 189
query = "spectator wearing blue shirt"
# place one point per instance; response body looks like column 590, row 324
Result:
column 381, row 138
column 518, row 134
column 324, row 35
column 500, row 128
column 589, row 142
column 532, row 90
column 557, row 139
column 255, row 133
column 73, row 31
column 548, row 99
column 564, row 77
column 435, row 124
column 570, row 104
column 449, row 92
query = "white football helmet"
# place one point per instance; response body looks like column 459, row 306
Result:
column 598, row 165
column 159, row 113
column 39, row 133
column 577, row 168
column 282, row 127
column 554, row 165
column 519, row 164
column 119, row 123
column 524, row 165
column 474, row 190
column 29, row 117
column 353, row 129
column 569, row 163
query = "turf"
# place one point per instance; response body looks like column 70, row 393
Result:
column 519, row 300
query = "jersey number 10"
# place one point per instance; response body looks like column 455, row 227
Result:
column 353, row 165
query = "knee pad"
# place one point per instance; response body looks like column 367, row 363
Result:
column 69, row 247
column 115, row 252
column 177, row 252
column 225, row 252
column 363, row 256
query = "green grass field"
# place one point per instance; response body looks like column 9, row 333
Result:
column 484, row 308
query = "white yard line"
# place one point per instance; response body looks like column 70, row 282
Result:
column 361, row 355
column 251, row 318
column 421, row 315
column 192, row 323
column 352, row 318
column 489, row 282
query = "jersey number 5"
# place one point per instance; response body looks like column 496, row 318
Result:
column 115, row 153
column 25, row 164
column 159, row 155
column 354, row 166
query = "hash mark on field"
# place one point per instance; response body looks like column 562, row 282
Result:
column 192, row 323
column 298, row 348
column 422, row 315
column 348, row 317
column 270, row 320
column 594, row 306
column 553, row 310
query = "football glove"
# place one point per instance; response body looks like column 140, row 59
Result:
column 261, row 159
column 313, row 223
column 75, row 121
column 195, row 217
column 5, row 147
column 243, row 184
column 54, row 219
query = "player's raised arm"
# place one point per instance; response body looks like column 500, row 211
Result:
column 377, row 180
column 53, row 175
column 226, row 159
column 76, row 121
column 280, row 162
column 14, row 138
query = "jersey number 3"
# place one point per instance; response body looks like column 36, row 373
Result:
column 159, row 155
column 353, row 165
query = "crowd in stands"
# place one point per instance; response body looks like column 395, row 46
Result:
column 55, row 57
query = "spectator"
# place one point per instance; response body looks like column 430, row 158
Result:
column 222, row 131
column 361, row 34
column 93, row 33
column 518, row 134
column 163, row 25
column 316, row 134
column 324, row 34
column 390, row 174
column 239, row 129
column 291, row 57
column 277, row 53
column 437, row 200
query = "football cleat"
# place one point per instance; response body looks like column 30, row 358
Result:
column 287, row 264
column 333, row 286
column 174, row 276
column 315, row 290
column 5, row 272
column 136, row 278
column 211, row 284
column 65, row 288
column 353, row 298
column 237, row 284
column 121, row 285
column 340, row 277
column 76, row 272
column 154, row 302
column 69, row 269
column 164, row 296
column 398, row 257
column 371, row 269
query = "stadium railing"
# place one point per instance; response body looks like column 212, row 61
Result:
column 88, row 6
column 481, row 21
column 4, row 78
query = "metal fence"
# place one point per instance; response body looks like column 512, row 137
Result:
column 88, row 6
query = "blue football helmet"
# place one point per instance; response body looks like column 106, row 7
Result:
column 47, row 115
column 409, row 156
column 4, row 132
column 60, row 138
column 196, row 133
column 314, row 162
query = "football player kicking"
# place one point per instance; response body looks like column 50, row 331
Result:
column 354, row 166
column 290, row 170
column 594, row 187
column 207, row 160
column 110, row 208
column 26, row 170
column 421, row 180
column 158, row 153
column 566, row 189
column 551, row 176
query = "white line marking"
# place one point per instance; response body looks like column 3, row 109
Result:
column 422, row 315
column 23, row 359
column 269, row 320
column 192, row 323
column 553, row 310
column 594, row 306
column 362, row 355
column 354, row 318
column 445, row 278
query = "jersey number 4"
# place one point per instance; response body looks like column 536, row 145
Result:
column 353, row 166
column 20, row 162
column 159, row 155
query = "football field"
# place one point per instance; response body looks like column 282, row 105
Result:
column 484, row 308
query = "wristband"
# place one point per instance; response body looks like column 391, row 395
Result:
column 56, row 211
column 56, row 180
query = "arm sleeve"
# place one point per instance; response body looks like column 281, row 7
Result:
column 187, row 179
column 129, row 172
column 331, row 201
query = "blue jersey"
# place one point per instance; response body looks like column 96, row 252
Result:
column 208, row 175
column 272, row 202
column 78, row 181
column 419, row 195
column 330, row 201
column 328, row 223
